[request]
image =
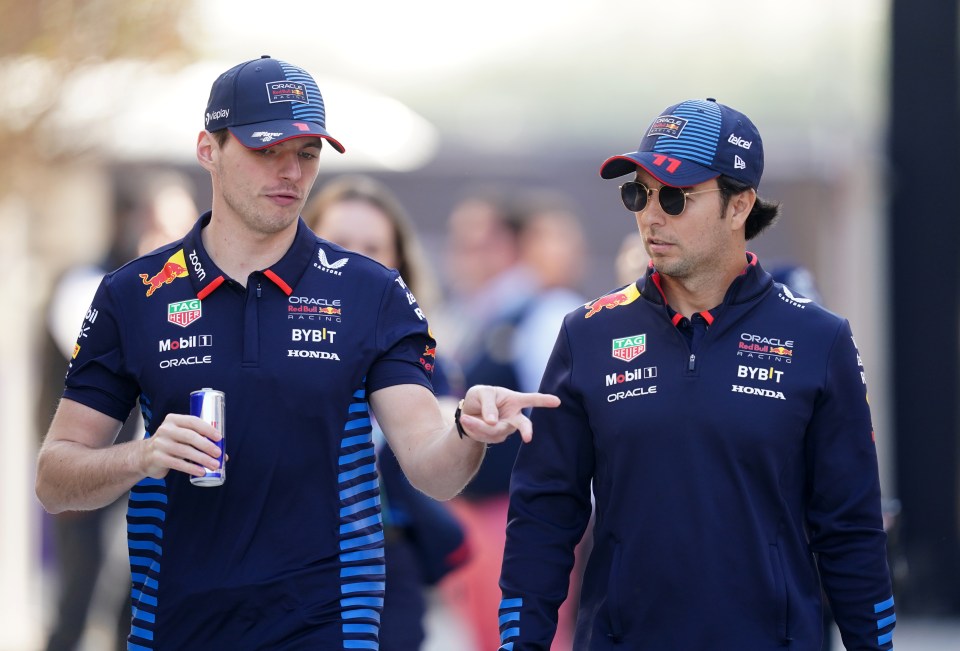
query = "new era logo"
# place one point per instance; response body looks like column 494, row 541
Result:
column 738, row 163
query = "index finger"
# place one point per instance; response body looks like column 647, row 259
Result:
column 538, row 400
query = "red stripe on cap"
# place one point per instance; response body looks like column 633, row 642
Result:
column 206, row 291
column 278, row 282
column 273, row 143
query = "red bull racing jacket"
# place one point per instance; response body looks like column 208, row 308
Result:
column 288, row 552
column 733, row 466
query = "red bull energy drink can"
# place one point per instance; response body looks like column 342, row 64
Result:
column 210, row 406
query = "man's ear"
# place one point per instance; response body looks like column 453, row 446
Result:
column 740, row 206
column 207, row 150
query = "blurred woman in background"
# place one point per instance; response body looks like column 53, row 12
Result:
column 423, row 541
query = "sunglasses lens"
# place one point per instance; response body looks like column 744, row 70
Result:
column 672, row 200
column 634, row 196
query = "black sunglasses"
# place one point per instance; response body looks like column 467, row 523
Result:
column 673, row 200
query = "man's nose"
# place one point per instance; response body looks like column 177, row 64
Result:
column 290, row 166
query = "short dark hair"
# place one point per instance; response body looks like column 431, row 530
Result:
column 221, row 135
column 763, row 214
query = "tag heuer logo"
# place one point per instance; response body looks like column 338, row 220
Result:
column 184, row 313
column 629, row 348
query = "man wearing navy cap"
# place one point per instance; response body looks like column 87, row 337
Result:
column 304, row 338
column 720, row 422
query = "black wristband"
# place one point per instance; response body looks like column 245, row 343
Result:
column 456, row 420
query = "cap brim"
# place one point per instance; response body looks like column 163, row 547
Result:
column 668, row 170
column 267, row 134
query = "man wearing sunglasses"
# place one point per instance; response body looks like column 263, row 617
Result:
column 719, row 421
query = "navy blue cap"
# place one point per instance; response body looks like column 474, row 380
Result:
column 692, row 142
column 266, row 101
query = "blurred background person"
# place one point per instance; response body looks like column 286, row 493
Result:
column 489, row 290
column 514, row 265
column 482, row 270
column 632, row 259
column 423, row 539
column 487, row 287
column 552, row 246
column 92, row 585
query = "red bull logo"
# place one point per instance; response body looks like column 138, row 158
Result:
column 625, row 296
column 286, row 91
column 430, row 353
column 175, row 267
column 761, row 347
column 667, row 125
column 307, row 307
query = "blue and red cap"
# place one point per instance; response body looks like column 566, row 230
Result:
column 266, row 101
column 692, row 142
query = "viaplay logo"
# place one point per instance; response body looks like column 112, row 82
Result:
column 217, row 115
